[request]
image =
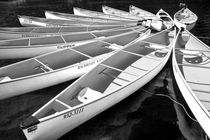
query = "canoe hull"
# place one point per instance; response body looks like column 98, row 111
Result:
column 66, row 121
column 194, row 103
column 48, row 15
column 42, row 22
column 10, row 35
column 28, row 52
column 31, row 23
column 191, row 100
column 25, row 85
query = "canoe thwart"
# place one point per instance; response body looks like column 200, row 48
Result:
column 43, row 66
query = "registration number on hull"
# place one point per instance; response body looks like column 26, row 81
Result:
column 73, row 113
column 65, row 46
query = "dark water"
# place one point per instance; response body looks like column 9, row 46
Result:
column 142, row 116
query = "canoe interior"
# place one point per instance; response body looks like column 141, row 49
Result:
column 193, row 60
column 112, row 74
column 45, row 30
column 60, row 39
column 64, row 58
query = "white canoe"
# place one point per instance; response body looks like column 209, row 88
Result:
column 60, row 66
column 158, row 25
column 163, row 22
column 90, row 13
column 185, row 18
column 191, row 68
column 67, row 16
column 7, row 33
column 31, row 47
column 142, row 13
column 168, row 22
column 108, row 83
column 116, row 12
column 43, row 22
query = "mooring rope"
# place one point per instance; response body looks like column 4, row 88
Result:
column 203, row 37
column 163, row 95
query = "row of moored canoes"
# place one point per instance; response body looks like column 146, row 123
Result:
column 115, row 49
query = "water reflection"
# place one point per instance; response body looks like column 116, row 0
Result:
column 187, row 123
column 13, row 3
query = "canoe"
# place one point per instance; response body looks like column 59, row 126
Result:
column 191, row 66
column 116, row 12
column 142, row 13
column 7, row 33
column 168, row 22
column 164, row 21
column 67, row 16
column 43, row 22
column 90, row 13
column 60, row 66
column 31, row 47
column 185, row 18
column 112, row 80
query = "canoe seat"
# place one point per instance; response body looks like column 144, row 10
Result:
column 160, row 54
column 88, row 95
column 194, row 60
column 5, row 79
column 193, row 57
